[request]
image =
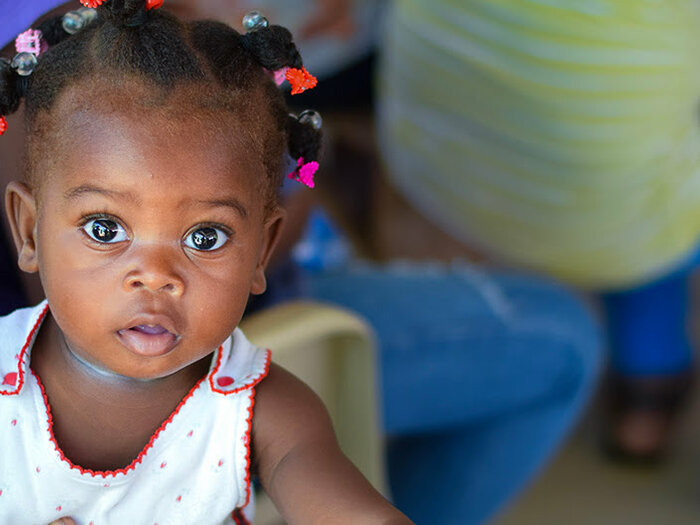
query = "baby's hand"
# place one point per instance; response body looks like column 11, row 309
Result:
column 63, row 521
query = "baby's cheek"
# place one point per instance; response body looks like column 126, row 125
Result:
column 217, row 310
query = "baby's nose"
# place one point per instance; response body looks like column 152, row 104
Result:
column 155, row 270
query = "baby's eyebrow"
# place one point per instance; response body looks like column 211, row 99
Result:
column 228, row 203
column 84, row 189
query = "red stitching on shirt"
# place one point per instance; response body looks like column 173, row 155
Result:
column 23, row 352
column 139, row 458
column 249, row 421
column 239, row 518
column 252, row 384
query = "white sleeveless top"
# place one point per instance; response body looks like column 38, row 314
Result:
column 194, row 470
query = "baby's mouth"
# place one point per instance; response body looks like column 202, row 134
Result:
column 149, row 340
column 150, row 329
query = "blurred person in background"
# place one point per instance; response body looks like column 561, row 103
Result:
column 483, row 373
column 562, row 137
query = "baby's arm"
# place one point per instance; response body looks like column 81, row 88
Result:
column 300, row 465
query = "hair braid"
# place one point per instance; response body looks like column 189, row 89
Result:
column 129, row 41
column 12, row 88
column 272, row 47
column 304, row 139
column 52, row 31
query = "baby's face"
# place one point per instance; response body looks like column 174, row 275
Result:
column 150, row 236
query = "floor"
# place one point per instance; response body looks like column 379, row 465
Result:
column 581, row 487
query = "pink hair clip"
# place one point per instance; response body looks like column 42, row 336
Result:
column 31, row 41
column 304, row 172
column 279, row 76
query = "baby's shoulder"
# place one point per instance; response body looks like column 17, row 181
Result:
column 287, row 413
column 239, row 365
column 17, row 332
column 19, row 324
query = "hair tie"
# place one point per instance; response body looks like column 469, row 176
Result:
column 31, row 41
column 29, row 45
column 150, row 4
column 300, row 79
column 74, row 21
column 311, row 117
column 153, row 4
column 278, row 76
column 304, row 172
column 255, row 21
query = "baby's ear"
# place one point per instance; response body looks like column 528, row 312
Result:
column 272, row 230
column 20, row 205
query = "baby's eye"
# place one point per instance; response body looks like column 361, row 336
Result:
column 105, row 231
column 206, row 239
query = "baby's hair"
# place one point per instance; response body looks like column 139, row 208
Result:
column 229, row 71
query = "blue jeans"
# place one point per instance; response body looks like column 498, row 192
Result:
column 482, row 376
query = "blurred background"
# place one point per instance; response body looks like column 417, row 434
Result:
column 508, row 206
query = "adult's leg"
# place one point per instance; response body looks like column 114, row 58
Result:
column 482, row 374
column 463, row 476
column 647, row 327
column 651, row 362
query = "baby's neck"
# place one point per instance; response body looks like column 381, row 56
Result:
column 103, row 420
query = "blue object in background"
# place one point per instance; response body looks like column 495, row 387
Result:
column 647, row 327
column 18, row 16
column 483, row 373
column 322, row 247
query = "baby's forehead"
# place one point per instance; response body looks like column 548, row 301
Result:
column 199, row 106
column 149, row 121
column 138, row 165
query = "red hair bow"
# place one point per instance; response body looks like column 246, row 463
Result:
column 3, row 125
column 150, row 4
column 300, row 79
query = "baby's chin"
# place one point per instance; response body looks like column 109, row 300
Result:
column 125, row 374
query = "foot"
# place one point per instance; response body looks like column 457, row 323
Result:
column 641, row 415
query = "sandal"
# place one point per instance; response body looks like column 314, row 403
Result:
column 641, row 413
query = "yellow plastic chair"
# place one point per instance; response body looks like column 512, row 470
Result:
column 332, row 351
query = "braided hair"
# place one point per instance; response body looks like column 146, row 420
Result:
column 129, row 41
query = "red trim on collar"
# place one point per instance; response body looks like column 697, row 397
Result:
column 249, row 422
column 249, row 384
column 239, row 518
column 23, row 352
column 139, row 458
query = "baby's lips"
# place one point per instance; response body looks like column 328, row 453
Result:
column 151, row 324
column 148, row 343
column 151, row 329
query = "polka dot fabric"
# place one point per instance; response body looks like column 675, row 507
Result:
column 195, row 468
